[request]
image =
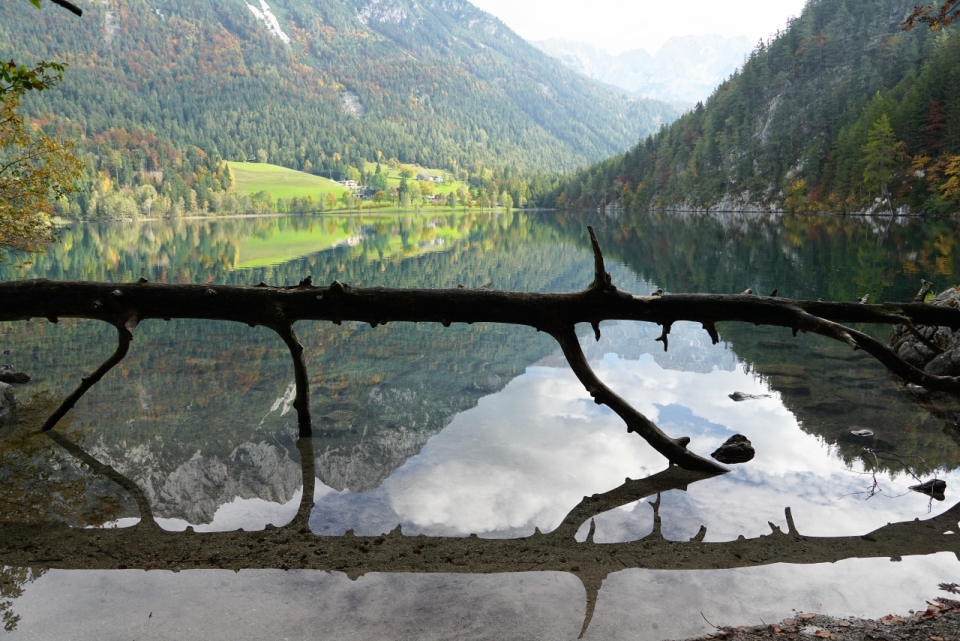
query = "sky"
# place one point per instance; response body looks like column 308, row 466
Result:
column 621, row 25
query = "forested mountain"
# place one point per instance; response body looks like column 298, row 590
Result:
column 685, row 70
column 317, row 84
column 844, row 111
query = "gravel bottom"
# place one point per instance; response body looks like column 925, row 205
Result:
column 939, row 622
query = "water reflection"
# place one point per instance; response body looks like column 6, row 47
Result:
column 147, row 547
column 478, row 430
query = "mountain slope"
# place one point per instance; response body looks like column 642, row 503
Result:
column 685, row 70
column 842, row 109
column 332, row 82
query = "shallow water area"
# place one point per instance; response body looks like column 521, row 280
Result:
column 478, row 441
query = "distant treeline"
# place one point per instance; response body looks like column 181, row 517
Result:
column 844, row 111
column 131, row 174
column 194, row 83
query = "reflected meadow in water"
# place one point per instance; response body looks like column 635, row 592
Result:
column 524, row 509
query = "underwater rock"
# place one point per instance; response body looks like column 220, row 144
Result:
column 736, row 449
column 934, row 487
column 7, row 375
column 741, row 396
column 8, row 403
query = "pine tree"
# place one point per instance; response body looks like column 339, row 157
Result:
column 879, row 158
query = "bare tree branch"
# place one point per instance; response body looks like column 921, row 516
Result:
column 69, row 6
column 146, row 513
column 672, row 478
column 124, row 337
column 301, row 378
column 675, row 449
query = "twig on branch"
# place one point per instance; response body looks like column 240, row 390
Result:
column 657, row 531
column 665, row 333
column 791, row 526
column 924, row 289
column 712, row 331
column 124, row 337
column 601, row 278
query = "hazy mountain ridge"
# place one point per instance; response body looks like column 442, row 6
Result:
column 437, row 82
column 685, row 70
column 843, row 111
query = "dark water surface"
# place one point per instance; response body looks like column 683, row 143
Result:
column 480, row 429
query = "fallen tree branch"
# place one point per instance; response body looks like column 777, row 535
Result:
column 301, row 401
column 672, row 478
column 146, row 513
column 675, row 449
column 124, row 337
column 280, row 307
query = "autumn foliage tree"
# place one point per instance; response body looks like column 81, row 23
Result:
column 35, row 168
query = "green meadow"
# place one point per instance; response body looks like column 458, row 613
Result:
column 393, row 176
column 280, row 182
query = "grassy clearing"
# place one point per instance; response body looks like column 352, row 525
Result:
column 280, row 182
column 449, row 185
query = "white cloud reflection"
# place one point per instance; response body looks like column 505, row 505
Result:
column 525, row 456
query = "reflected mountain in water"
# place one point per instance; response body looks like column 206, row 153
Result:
column 146, row 546
column 200, row 413
column 477, row 429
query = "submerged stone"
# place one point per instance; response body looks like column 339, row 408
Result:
column 8, row 403
column 736, row 449
column 741, row 396
column 935, row 488
column 7, row 375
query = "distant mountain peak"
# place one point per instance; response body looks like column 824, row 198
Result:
column 332, row 82
column 685, row 70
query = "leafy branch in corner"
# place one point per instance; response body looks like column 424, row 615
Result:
column 932, row 16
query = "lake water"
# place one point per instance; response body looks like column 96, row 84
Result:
column 480, row 430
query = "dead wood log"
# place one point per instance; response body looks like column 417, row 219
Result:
column 557, row 314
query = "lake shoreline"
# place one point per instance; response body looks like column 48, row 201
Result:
column 939, row 622
column 384, row 211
